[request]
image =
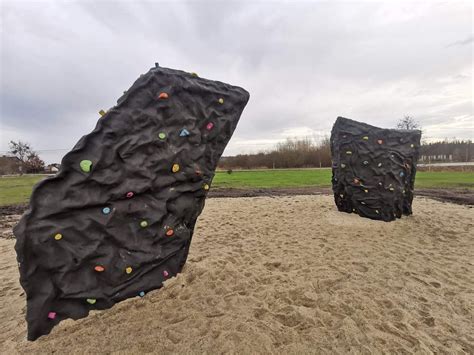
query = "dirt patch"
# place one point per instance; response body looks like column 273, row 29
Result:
column 458, row 196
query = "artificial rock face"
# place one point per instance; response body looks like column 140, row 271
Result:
column 373, row 171
column 118, row 218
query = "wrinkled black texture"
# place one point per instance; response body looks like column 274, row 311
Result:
column 127, row 156
column 376, row 179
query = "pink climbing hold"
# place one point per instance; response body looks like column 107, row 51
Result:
column 52, row 315
column 209, row 126
column 129, row 194
column 165, row 273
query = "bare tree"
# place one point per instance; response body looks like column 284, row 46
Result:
column 408, row 122
column 21, row 150
column 27, row 157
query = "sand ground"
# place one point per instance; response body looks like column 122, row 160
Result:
column 287, row 275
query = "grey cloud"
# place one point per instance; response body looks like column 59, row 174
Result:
column 304, row 63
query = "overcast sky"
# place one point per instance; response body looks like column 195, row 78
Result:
column 304, row 63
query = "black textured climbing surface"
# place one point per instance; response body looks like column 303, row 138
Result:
column 373, row 171
column 118, row 218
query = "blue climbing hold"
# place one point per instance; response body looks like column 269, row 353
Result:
column 184, row 133
column 106, row 210
column 402, row 174
column 141, row 294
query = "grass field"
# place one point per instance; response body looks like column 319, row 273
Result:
column 15, row 190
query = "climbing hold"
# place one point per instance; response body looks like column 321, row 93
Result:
column 129, row 194
column 209, row 126
column 343, row 165
column 365, row 138
column 99, row 268
column 412, row 145
column 379, row 165
column 85, row 165
column 106, row 210
column 380, row 183
column 58, row 236
column 365, row 162
column 362, row 203
column 162, row 135
column 175, row 168
column 377, row 211
column 128, row 270
column 141, row 294
column 402, row 174
column 194, row 74
column 348, row 152
column 91, row 300
column 170, row 232
column 184, row 133
column 391, row 189
column 143, row 224
column 102, row 112
column 366, row 191
column 379, row 141
column 206, row 187
column 52, row 315
column 341, row 195
column 165, row 273
column 356, row 181
column 221, row 100
column 163, row 96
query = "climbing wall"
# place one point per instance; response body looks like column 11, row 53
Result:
column 118, row 218
column 373, row 171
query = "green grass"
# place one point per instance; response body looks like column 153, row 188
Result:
column 14, row 190
column 273, row 178
column 18, row 189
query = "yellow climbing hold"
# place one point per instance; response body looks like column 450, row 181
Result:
column 366, row 191
column 143, row 224
column 391, row 189
column 58, row 236
column 221, row 100
column 129, row 270
column 206, row 187
column 91, row 300
column 365, row 138
column 348, row 152
column 175, row 168
column 194, row 74
column 412, row 145
column 102, row 112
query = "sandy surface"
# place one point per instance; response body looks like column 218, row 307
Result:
column 287, row 275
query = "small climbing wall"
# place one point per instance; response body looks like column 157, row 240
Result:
column 373, row 171
column 118, row 218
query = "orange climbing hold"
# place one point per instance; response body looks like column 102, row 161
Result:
column 99, row 268
column 163, row 96
column 170, row 232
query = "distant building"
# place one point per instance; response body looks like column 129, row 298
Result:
column 10, row 165
column 52, row 168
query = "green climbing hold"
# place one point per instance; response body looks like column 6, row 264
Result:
column 86, row 165
column 91, row 300
column 162, row 135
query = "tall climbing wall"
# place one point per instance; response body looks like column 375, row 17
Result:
column 118, row 218
column 373, row 171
